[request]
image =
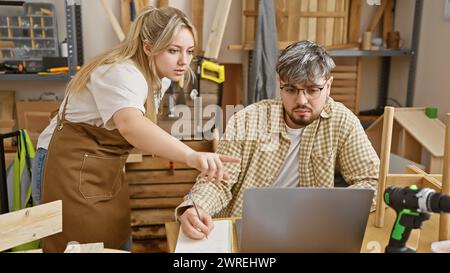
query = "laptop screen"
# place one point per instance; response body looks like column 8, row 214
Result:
column 304, row 219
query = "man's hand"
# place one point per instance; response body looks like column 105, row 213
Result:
column 192, row 226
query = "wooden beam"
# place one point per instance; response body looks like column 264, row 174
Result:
column 377, row 16
column 217, row 29
column 163, row 3
column 444, row 224
column 403, row 180
column 355, row 21
column 113, row 20
column 388, row 122
column 7, row 124
column 134, row 158
column 26, row 225
column 388, row 19
column 197, row 20
column 161, row 177
column 125, row 15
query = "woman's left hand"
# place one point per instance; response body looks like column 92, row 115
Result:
column 210, row 164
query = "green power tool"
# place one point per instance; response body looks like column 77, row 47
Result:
column 413, row 206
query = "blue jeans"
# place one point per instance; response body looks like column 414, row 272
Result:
column 37, row 170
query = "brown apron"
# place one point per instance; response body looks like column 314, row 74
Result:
column 85, row 168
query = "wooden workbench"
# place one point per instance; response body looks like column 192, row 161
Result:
column 375, row 239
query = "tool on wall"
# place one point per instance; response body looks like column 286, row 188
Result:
column 207, row 65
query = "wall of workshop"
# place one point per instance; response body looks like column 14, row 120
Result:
column 433, row 63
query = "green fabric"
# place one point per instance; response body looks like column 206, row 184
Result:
column 25, row 148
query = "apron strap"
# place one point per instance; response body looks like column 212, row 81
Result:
column 62, row 118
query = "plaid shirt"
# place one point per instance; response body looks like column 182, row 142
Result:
column 257, row 135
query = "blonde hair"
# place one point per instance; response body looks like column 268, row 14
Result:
column 157, row 26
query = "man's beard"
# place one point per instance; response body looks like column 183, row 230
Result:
column 302, row 121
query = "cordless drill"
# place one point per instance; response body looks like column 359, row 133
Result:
column 413, row 206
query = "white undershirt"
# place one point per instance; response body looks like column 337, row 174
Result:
column 288, row 176
column 110, row 88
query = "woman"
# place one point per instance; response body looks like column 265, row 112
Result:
column 102, row 117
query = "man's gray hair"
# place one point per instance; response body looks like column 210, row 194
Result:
column 304, row 62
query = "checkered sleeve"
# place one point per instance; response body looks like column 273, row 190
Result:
column 211, row 196
column 358, row 161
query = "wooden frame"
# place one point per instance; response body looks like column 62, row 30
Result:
column 414, row 137
column 324, row 21
column 418, row 177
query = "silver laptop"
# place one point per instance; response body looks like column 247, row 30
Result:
column 304, row 219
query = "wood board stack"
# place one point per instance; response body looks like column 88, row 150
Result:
column 346, row 85
column 331, row 23
column 155, row 191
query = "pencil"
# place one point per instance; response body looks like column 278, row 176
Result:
column 196, row 210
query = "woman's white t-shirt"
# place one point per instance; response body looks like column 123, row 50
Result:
column 111, row 88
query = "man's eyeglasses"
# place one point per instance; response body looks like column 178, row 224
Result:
column 310, row 93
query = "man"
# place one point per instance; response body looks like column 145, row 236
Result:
column 297, row 141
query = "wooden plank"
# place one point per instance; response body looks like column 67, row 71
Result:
column 197, row 20
column 125, row 15
column 7, row 99
column 410, row 148
column 386, row 141
column 134, row 158
column 155, row 163
column 344, row 83
column 156, row 203
column 233, row 89
column 345, row 68
column 344, row 97
column 346, row 22
column 431, row 182
column 207, row 99
column 444, row 224
column 354, row 21
column 403, row 179
column 345, row 76
column 326, row 14
column 436, row 164
column 149, row 232
column 146, row 217
column 339, row 23
column 113, row 20
column 312, row 22
column 217, row 29
column 343, row 91
column 321, row 23
column 377, row 16
column 250, row 22
column 281, row 19
column 149, row 246
column 163, row 3
column 329, row 22
column 412, row 169
column 293, row 20
column 30, row 224
column 388, row 19
column 24, row 107
column 160, row 177
column 7, row 124
column 160, row 190
column 428, row 132
column 303, row 23
column 358, row 85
